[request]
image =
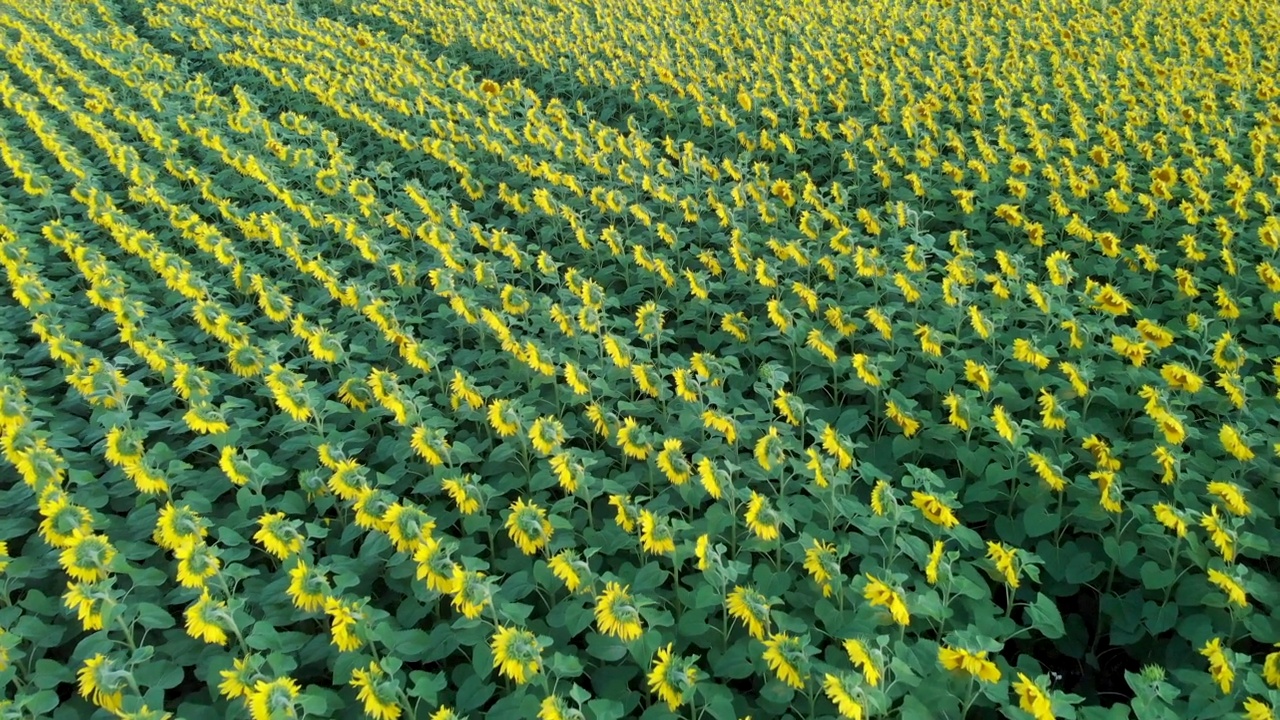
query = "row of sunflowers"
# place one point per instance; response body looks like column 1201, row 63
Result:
column 745, row 362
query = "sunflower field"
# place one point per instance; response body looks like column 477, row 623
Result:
column 603, row 359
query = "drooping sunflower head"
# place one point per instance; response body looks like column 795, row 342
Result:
column 528, row 526
column 618, row 614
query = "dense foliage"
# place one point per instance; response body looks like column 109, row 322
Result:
column 636, row 358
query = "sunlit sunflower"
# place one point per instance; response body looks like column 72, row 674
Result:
column 672, row 678
column 617, row 613
column 528, row 526
column 751, row 608
column 788, row 658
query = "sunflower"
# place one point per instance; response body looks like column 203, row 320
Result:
column 569, row 472
column 102, row 683
column 236, row 468
column 671, row 461
column 350, row 482
column 346, row 620
column 862, row 660
column 762, row 518
column 965, row 662
column 1232, row 497
column 377, row 691
column 935, row 562
column 1235, row 444
column 462, row 391
column 546, row 434
column 789, row 407
column 978, row 375
column 838, row 446
column 1168, row 516
column 634, row 439
column 627, row 513
column 1005, row 426
column 842, row 691
column 929, row 342
column 866, row 370
column 1005, row 560
column 656, row 536
column 569, row 568
column 1222, row 536
column 279, row 536
column 246, row 361
column 617, row 613
column 197, row 562
column 769, row 451
column 63, row 520
column 465, row 492
column 356, row 394
column 1032, row 698
column 237, row 681
column 273, row 699
column 1110, row 300
column 472, row 593
column 436, row 566
column 1255, row 709
column 88, row 557
column 751, row 608
column 504, row 418
column 934, row 510
column 672, row 677
column 1168, row 464
column 787, row 658
column 881, row 493
column 308, row 587
column 702, row 552
column 957, row 413
column 686, row 387
column 205, row 619
column 721, row 423
column 87, row 600
column 821, row 563
column 880, row 594
column 1220, row 667
column 1076, row 377
column 909, row 425
column 528, row 526
column 553, row 707
column 517, row 653
column 177, row 526
column 1024, row 351
column 124, row 446
column 148, row 480
column 712, row 478
column 431, row 445
column 602, row 421
column 1227, row 584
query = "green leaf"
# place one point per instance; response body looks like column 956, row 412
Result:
column 41, row 703
column 1156, row 577
column 606, row 709
column 1038, row 521
column 565, row 666
column 49, row 674
column 1081, row 568
column 427, row 686
column 1159, row 618
column 733, row 664
column 777, row 692
column 605, row 648
column 1045, row 617
column 154, row 617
